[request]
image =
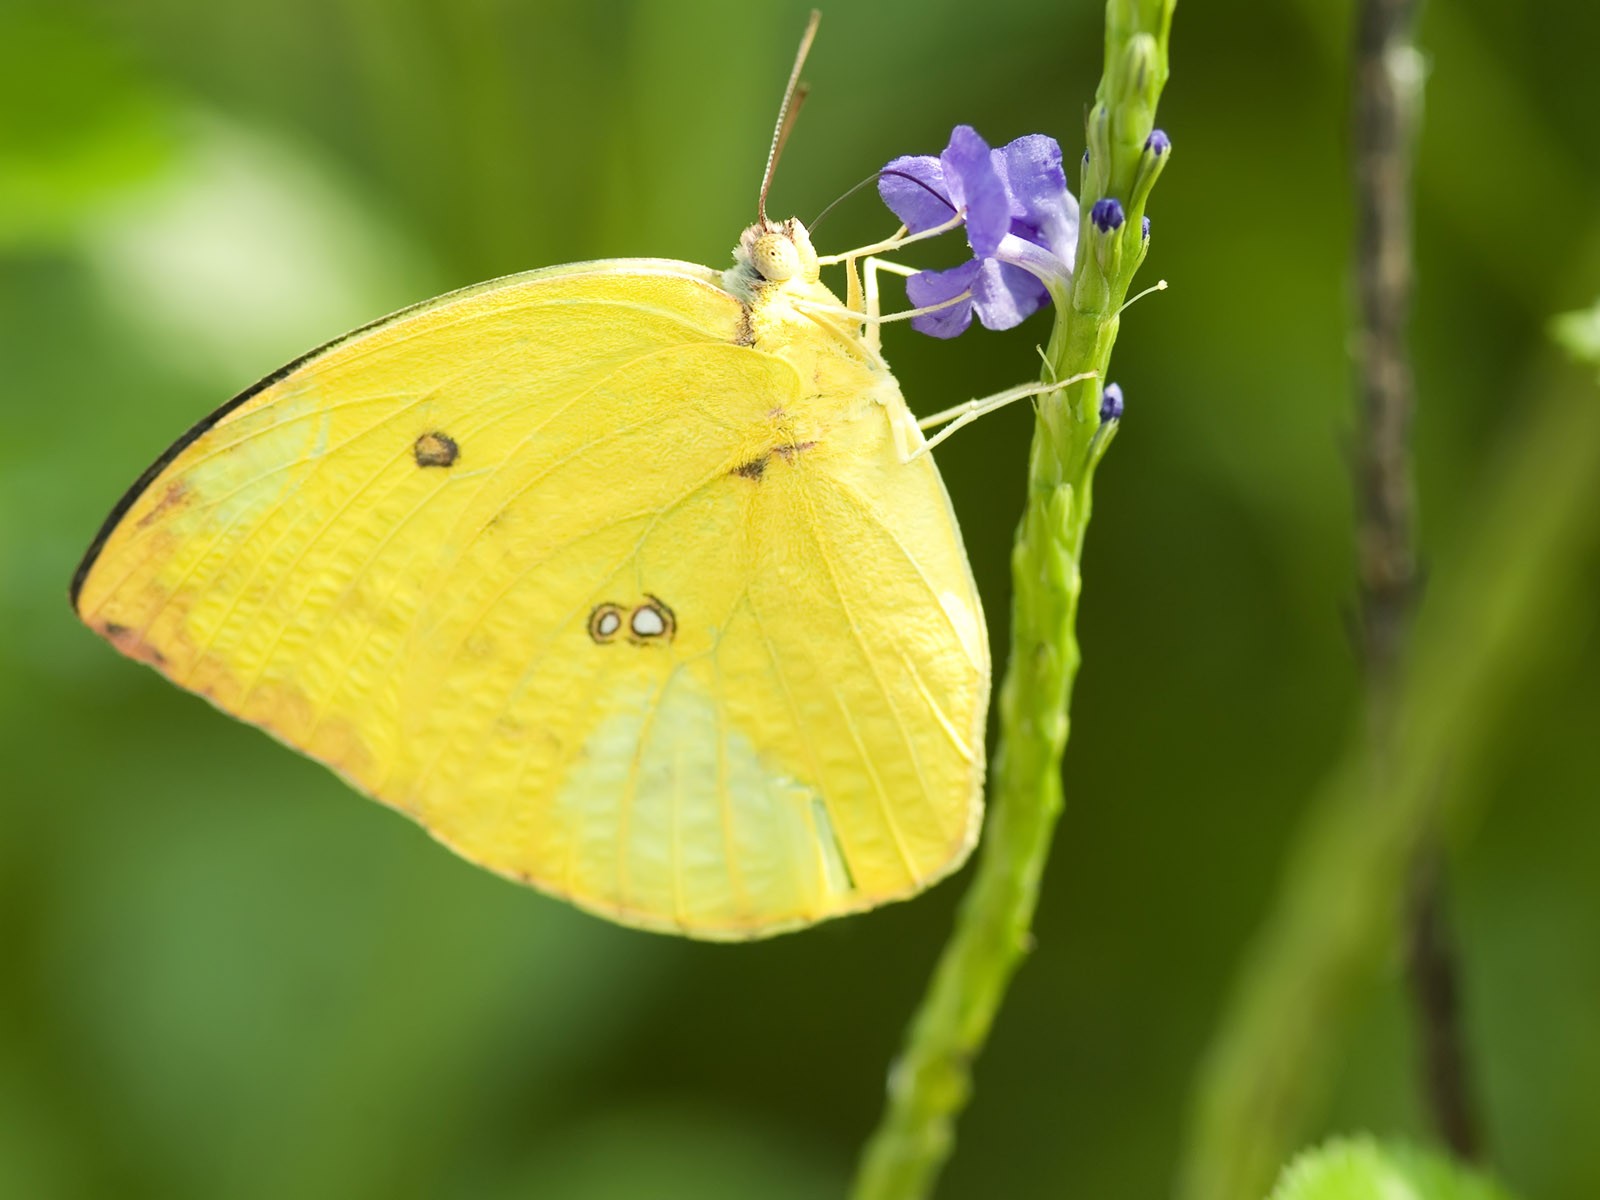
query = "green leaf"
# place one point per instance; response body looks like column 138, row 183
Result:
column 1365, row 1169
column 1579, row 332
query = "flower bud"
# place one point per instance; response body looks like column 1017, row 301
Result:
column 1137, row 80
column 1157, row 149
column 1106, row 220
column 1107, row 214
column 1111, row 403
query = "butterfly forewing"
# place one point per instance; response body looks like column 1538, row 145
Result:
column 609, row 600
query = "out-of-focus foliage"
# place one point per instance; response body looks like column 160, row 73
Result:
column 1362, row 1169
column 224, row 975
column 1579, row 332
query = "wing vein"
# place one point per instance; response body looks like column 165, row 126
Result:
column 883, row 688
column 877, row 519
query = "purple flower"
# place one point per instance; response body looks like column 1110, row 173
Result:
column 1021, row 222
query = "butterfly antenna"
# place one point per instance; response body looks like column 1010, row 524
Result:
column 793, row 97
column 833, row 204
column 873, row 178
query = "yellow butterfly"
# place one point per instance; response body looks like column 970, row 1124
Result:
column 627, row 579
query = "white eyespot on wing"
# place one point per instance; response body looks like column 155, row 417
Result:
column 647, row 622
column 604, row 623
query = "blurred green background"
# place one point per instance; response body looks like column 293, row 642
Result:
column 222, row 974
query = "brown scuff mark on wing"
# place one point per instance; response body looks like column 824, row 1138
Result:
column 130, row 642
column 176, row 495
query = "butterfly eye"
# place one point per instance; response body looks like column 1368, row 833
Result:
column 776, row 258
column 605, row 622
column 652, row 621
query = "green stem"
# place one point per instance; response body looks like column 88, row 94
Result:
column 931, row 1081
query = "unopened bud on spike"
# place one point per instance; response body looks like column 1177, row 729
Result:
column 1157, row 149
column 1107, row 215
column 1111, row 403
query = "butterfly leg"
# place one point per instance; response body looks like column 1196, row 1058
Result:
column 902, row 425
column 852, row 286
column 862, row 307
column 953, row 418
column 868, row 314
column 875, row 319
column 900, row 237
column 965, row 414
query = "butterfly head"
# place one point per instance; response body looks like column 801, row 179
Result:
column 778, row 252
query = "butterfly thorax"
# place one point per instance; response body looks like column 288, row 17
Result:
column 792, row 314
column 777, row 278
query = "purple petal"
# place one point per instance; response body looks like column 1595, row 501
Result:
column 976, row 186
column 935, row 287
column 914, row 188
column 1016, row 251
column 1031, row 168
column 1041, row 205
column 1004, row 296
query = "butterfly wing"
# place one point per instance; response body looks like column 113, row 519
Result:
column 599, row 594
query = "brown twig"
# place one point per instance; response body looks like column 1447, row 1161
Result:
column 1436, row 991
column 1388, row 91
column 1385, row 118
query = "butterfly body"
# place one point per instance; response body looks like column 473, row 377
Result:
column 614, row 576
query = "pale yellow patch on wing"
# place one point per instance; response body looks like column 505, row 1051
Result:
column 673, row 818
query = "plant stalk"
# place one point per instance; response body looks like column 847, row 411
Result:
column 1388, row 76
column 931, row 1081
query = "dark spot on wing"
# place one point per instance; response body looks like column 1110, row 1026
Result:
column 436, row 450
column 757, row 467
column 206, row 424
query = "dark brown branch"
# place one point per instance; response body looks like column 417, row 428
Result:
column 1385, row 117
column 1436, row 990
column 1388, row 87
